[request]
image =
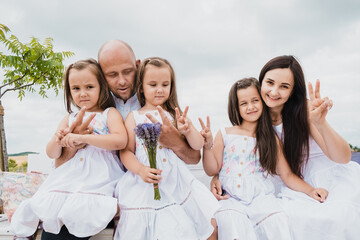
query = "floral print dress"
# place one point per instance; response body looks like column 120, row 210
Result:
column 252, row 211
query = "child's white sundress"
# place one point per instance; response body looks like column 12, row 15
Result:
column 339, row 216
column 78, row 194
column 252, row 211
column 186, row 206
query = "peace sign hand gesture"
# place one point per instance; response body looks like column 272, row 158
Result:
column 183, row 123
column 206, row 133
column 318, row 107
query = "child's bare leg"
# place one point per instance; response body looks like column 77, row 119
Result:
column 214, row 235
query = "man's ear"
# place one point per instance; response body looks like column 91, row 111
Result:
column 138, row 63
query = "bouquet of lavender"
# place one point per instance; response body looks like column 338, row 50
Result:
column 149, row 133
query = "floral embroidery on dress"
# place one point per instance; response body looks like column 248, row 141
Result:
column 249, row 160
column 99, row 127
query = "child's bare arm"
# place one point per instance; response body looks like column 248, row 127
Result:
column 294, row 182
column 53, row 148
column 212, row 151
column 129, row 159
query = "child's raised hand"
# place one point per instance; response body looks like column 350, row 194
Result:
column 318, row 107
column 79, row 125
column 206, row 133
column 319, row 194
column 150, row 175
column 183, row 123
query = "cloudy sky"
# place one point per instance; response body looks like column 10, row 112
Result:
column 211, row 44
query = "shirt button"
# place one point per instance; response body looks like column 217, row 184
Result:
column 238, row 185
column 160, row 147
column 81, row 159
column 241, row 163
column 239, row 174
column 164, row 159
column 243, row 150
column 156, row 113
column 245, row 138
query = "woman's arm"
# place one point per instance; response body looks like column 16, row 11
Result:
column 331, row 143
column 53, row 148
column 129, row 159
column 115, row 140
column 293, row 181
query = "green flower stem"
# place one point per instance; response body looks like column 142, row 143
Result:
column 152, row 160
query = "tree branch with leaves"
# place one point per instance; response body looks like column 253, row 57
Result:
column 27, row 67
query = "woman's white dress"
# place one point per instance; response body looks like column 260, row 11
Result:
column 339, row 216
column 252, row 211
column 186, row 206
column 78, row 194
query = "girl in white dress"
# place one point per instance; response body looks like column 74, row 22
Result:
column 244, row 156
column 78, row 195
column 186, row 206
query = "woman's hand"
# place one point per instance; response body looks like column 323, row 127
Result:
column 150, row 175
column 318, row 107
column 319, row 194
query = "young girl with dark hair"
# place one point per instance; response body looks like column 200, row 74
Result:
column 245, row 156
column 186, row 207
column 76, row 200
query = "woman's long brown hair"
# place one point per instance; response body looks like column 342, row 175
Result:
column 296, row 129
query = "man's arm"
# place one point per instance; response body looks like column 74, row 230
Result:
column 171, row 138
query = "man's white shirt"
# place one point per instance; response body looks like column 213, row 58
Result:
column 131, row 104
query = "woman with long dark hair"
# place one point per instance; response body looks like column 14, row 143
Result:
column 314, row 152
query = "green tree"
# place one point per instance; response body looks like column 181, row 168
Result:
column 27, row 67
column 12, row 165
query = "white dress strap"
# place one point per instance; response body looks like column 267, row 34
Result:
column 105, row 113
column 224, row 135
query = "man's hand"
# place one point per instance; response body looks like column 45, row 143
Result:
column 171, row 138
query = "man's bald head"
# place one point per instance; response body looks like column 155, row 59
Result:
column 118, row 63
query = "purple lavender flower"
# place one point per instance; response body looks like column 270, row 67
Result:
column 149, row 133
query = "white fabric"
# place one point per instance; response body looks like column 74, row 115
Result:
column 339, row 216
column 252, row 211
column 78, row 194
column 132, row 104
column 186, row 206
